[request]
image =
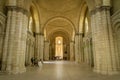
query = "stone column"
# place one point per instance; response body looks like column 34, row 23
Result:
column 11, row 41
column 72, row 53
column 5, row 47
column 1, row 44
column 90, row 53
column 104, row 53
column 17, row 42
column 2, row 32
column 27, row 51
column 12, row 59
column 46, row 51
column 28, row 54
column 79, row 48
column 76, row 49
column 39, row 44
column 50, row 52
column 23, row 39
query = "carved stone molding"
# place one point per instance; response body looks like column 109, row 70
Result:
column 2, row 18
column 18, row 9
column 99, row 9
column 115, row 20
column 39, row 34
column 79, row 33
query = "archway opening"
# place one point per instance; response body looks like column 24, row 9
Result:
column 58, row 32
column 59, row 47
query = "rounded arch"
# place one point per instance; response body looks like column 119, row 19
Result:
column 116, row 24
column 65, row 43
column 34, row 10
column 92, row 4
column 59, row 32
column 82, row 16
column 64, row 19
column 59, row 17
column 115, row 21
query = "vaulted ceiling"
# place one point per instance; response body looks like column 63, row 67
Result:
column 64, row 15
column 59, row 6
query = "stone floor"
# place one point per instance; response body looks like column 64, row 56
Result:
column 59, row 70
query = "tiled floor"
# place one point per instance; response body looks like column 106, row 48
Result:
column 59, row 70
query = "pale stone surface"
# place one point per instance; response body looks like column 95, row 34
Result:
column 59, row 70
column 72, row 50
column 54, row 19
column 46, row 51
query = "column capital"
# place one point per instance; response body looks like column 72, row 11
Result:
column 99, row 9
column 2, row 17
column 72, row 41
column 18, row 9
column 79, row 33
column 46, row 41
column 39, row 34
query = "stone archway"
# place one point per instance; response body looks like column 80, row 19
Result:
column 65, row 44
column 59, row 26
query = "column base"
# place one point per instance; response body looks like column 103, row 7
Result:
column 72, row 59
column 8, row 69
column 22, row 70
column 3, row 67
column 106, row 72
column 15, row 70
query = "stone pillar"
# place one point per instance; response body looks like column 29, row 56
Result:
column 23, row 42
column 46, row 51
column 103, row 46
column 72, row 53
column 26, row 54
column 29, row 53
column 2, row 35
column 12, row 47
column 90, row 53
column 5, row 46
column 50, row 52
column 41, row 46
column 39, row 41
column 79, row 48
column 76, row 49
column 11, row 41
column 1, row 44
column 37, row 45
